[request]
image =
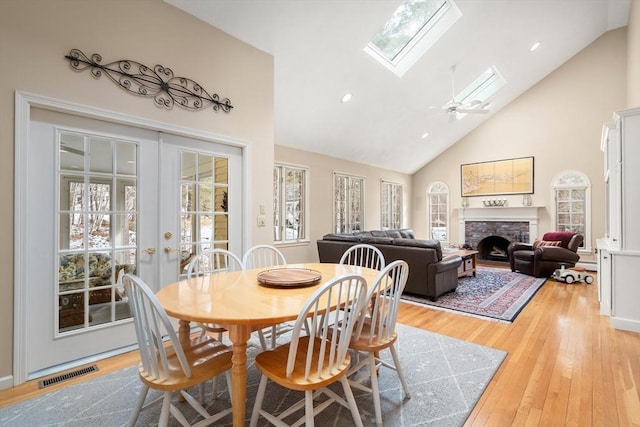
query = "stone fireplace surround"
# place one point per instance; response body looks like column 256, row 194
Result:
column 489, row 230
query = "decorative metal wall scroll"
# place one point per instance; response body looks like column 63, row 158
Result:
column 157, row 82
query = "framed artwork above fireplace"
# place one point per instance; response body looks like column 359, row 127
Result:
column 498, row 177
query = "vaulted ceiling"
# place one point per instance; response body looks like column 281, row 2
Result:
column 318, row 49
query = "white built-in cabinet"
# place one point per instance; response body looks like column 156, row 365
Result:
column 619, row 249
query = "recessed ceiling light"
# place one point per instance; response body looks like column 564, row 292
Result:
column 425, row 135
column 346, row 97
column 534, row 46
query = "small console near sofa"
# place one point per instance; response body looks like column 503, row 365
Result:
column 429, row 274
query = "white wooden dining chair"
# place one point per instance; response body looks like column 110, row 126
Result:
column 214, row 261
column 208, row 262
column 376, row 331
column 312, row 362
column 264, row 256
column 175, row 366
column 364, row 255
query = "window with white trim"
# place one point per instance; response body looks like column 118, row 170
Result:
column 390, row 205
column 348, row 203
column 478, row 92
column 289, row 203
column 438, row 220
column 572, row 194
column 413, row 28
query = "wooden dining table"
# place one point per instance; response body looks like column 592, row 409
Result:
column 237, row 301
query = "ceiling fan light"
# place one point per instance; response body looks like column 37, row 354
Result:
column 534, row 46
column 425, row 135
column 346, row 98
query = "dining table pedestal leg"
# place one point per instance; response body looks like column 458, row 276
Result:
column 184, row 330
column 239, row 335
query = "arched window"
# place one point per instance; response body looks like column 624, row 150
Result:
column 572, row 196
column 438, row 220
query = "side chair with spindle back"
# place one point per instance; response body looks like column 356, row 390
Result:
column 173, row 367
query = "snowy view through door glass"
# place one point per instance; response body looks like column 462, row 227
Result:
column 96, row 229
column 204, row 198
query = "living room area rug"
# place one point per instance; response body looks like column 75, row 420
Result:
column 495, row 293
column 446, row 377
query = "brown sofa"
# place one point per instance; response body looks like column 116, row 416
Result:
column 429, row 274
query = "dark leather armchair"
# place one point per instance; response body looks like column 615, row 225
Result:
column 556, row 249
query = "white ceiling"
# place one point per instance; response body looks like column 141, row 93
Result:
column 318, row 50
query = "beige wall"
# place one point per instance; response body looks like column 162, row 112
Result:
column 321, row 169
column 558, row 121
column 633, row 56
column 34, row 37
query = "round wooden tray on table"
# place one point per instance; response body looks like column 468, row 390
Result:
column 289, row 278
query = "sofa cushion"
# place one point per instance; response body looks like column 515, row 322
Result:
column 379, row 233
column 418, row 243
column 394, row 233
column 407, row 233
column 362, row 234
column 377, row 240
column 341, row 237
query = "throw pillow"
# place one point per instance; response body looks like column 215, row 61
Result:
column 539, row 243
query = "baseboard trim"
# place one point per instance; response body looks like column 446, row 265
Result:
column 6, row 382
column 589, row 266
column 625, row 324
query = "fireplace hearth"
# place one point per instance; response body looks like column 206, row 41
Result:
column 493, row 248
column 490, row 230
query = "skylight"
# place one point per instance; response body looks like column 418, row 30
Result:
column 479, row 91
column 414, row 27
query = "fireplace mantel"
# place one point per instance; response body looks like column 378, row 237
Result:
column 499, row 214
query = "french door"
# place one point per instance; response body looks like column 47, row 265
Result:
column 206, row 180
column 103, row 200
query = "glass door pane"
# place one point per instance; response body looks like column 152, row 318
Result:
column 97, row 229
column 204, row 195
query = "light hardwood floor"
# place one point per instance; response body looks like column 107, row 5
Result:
column 565, row 365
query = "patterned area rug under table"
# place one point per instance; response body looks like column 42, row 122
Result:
column 446, row 377
column 494, row 293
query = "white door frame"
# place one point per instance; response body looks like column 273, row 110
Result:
column 23, row 103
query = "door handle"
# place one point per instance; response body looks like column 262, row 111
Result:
column 150, row 251
column 169, row 249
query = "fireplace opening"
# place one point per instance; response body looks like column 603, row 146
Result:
column 493, row 248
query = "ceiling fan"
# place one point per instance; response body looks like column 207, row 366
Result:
column 452, row 107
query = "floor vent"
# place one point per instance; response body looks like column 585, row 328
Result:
column 67, row 376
